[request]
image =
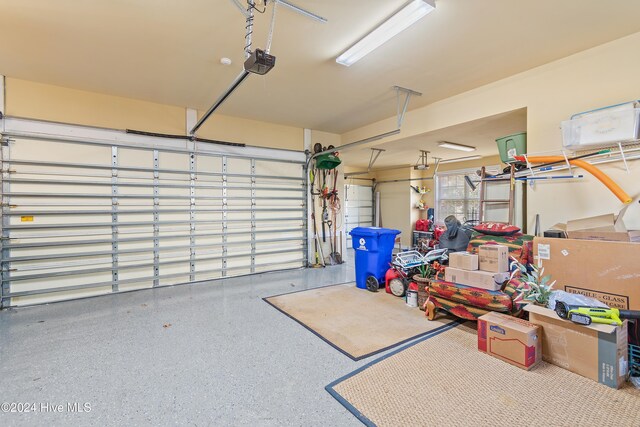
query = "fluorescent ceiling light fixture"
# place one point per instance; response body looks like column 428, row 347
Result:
column 403, row 19
column 454, row 146
column 460, row 159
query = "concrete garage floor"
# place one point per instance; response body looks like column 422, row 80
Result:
column 228, row 358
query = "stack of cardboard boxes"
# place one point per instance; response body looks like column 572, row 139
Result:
column 598, row 352
column 489, row 269
column 596, row 257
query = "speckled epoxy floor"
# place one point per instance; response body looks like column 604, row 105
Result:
column 228, row 358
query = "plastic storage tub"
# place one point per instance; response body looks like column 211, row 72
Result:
column 602, row 127
column 373, row 248
column 512, row 145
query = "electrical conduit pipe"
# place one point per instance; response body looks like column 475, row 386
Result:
column 608, row 182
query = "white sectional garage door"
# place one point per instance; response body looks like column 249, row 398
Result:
column 91, row 211
column 358, row 208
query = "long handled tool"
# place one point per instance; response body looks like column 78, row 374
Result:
column 322, row 263
column 543, row 166
column 597, row 173
column 318, row 249
column 335, row 256
column 325, row 214
column 329, row 223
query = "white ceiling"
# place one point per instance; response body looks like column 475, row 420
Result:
column 168, row 51
column 481, row 134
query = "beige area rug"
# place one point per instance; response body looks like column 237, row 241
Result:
column 355, row 321
column 445, row 381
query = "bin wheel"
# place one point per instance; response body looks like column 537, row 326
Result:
column 398, row 287
column 372, row 284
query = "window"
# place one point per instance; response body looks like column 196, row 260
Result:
column 455, row 197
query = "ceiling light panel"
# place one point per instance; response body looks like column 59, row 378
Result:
column 454, row 146
column 403, row 19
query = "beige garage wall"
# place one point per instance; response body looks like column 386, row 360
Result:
column 604, row 75
column 252, row 132
column 54, row 103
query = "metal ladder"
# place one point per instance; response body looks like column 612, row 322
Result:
column 484, row 181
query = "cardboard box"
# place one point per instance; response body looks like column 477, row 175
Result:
column 494, row 258
column 508, row 338
column 463, row 260
column 609, row 236
column 607, row 271
column 477, row 279
column 607, row 227
column 596, row 351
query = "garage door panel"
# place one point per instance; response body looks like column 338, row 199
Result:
column 60, row 296
column 358, row 208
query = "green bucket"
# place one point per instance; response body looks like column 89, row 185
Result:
column 512, row 145
column 327, row 161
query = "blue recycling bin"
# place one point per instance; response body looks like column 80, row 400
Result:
column 373, row 247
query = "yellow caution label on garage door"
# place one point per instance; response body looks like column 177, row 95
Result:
column 26, row 218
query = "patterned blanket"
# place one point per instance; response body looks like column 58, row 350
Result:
column 470, row 303
column 520, row 245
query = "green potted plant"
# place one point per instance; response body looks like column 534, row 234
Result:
column 426, row 272
column 534, row 286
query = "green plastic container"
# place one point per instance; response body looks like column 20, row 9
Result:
column 512, row 145
column 327, row 161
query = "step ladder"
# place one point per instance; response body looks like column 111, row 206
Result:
column 486, row 181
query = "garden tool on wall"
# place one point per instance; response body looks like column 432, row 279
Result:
column 325, row 213
column 588, row 315
column 326, row 163
column 316, row 240
column 334, row 203
column 319, row 260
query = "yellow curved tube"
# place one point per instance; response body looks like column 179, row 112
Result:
column 604, row 178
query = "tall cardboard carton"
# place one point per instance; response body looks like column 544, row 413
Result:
column 494, row 258
column 508, row 338
column 607, row 271
column 596, row 351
